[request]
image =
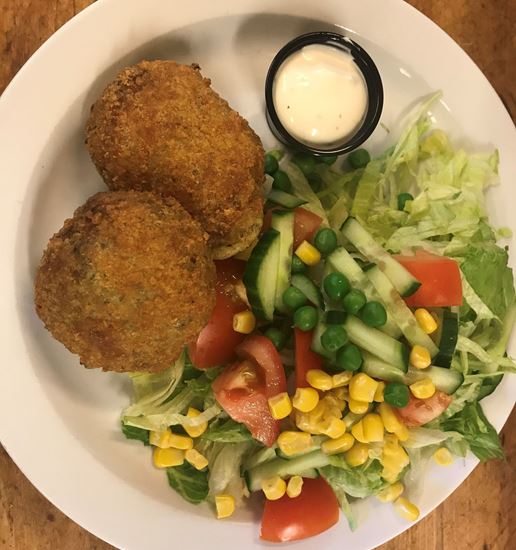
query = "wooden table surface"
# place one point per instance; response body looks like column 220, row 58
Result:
column 480, row 514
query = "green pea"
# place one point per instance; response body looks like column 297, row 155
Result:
column 354, row 301
column 336, row 286
column 271, row 164
column 293, row 298
column 333, row 338
column 276, row 337
column 359, row 158
column 349, row 358
column 316, row 182
column 298, row 266
column 373, row 314
column 402, row 200
column 305, row 162
column 325, row 240
column 305, row 318
column 334, row 317
column 282, row 181
column 396, row 394
column 327, row 159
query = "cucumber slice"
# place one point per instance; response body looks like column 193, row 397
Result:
column 342, row 261
column 285, row 199
column 283, row 222
column 316, row 346
column 261, row 456
column 308, row 288
column 402, row 280
column 376, row 368
column 261, row 274
column 445, row 380
column 399, row 310
column 446, row 337
column 378, row 343
column 283, row 468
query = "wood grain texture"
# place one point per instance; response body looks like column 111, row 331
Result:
column 479, row 515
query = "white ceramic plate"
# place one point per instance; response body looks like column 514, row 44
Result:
column 59, row 421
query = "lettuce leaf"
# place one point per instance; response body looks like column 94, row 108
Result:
column 136, row 433
column 359, row 482
column 227, row 431
column 189, row 482
column 486, row 270
column 225, row 464
column 161, row 399
column 472, row 424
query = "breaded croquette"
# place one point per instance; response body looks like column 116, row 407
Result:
column 127, row 282
column 160, row 127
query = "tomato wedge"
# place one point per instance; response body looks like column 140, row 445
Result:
column 440, row 280
column 306, row 359
column 217, row 341
column 242, row 389
column 313, row 511
column 306, row 223
column 422, row 411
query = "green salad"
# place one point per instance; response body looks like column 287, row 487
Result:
column 371, row 318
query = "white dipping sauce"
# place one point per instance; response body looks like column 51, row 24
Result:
column 320, row 95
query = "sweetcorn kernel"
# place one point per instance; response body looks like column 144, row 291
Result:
column 280, row 405
column 362, row 387
column 294, row 486
column 339, row 445
column 305, row 399
column 443, row 457
column 406, row 509
column 225, row 505
column 391, row 493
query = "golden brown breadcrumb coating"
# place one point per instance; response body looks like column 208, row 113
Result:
column 160, row 127
column 127, row 282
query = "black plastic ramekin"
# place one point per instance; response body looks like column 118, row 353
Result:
column 371, row 77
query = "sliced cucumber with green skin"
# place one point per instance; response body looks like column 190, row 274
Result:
column 399, row 310
column 282, row 467
column 261, row 275
column 376, row 368
column 446, row 337
column 283, row 222
column 308, row 288
column 405, row 283
column 316, row 346
column 445, row 380
column 378, row 343
column 261, row 456
column 341, row 260
column 285, row 199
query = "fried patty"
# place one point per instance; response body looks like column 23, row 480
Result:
column 127, row 282
column 160, row 127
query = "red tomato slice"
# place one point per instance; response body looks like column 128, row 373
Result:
column 306, row 223
column 306, row 359
column 242, row 389
column 217, row 341
column 313, row 511
column 440, row 280
column 422, row 411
